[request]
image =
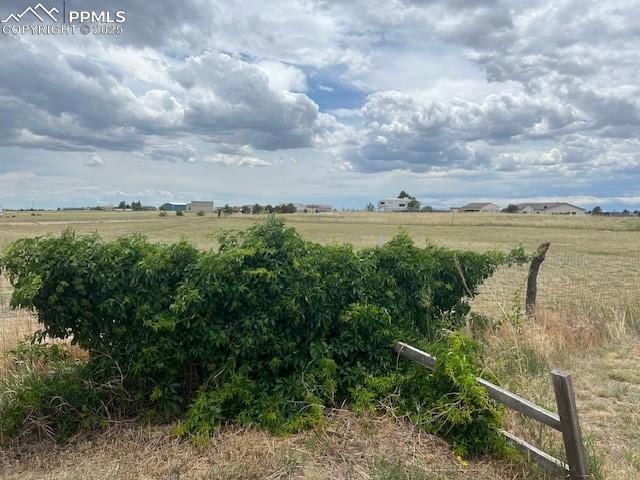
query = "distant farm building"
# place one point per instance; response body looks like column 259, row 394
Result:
column 553, row 208
column 312, row 208
column 198, row 206
column 174, row 207
column 480, row 207
column 394, row 204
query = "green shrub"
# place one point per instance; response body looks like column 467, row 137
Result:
column 32, row 354
column 162, row 214
column 451, row 402
column 268, row 330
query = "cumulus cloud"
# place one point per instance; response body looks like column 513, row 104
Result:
column 283, row 77
column 66, row 101
column 402, row 131
column 177, row 151
column 550, row 38
column 93, row 160
column 229, row 100
column 229, row 160
column 226, row 154
column 236, row 155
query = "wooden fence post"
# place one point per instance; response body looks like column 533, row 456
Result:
column 571, row 434
column 532, row 279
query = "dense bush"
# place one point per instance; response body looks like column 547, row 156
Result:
column 267, row 330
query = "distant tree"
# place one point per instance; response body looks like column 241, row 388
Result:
column 286, row 208
column 279, row 208
column 269, row 209
column 404, row 194
column 597, row 211
column 427, row 209
column 370, row 207
column 227, row 210
column 123, row 205
column 413, row 205
column 511, row 208
column 246, row 209
column 137, row 206
column 256, row 209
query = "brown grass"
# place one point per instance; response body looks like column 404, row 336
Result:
column 603, row 355
column 588, row 323
column 347, row 447
column 15, row 325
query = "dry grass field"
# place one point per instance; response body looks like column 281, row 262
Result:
column 588, row 323
column 347, row 447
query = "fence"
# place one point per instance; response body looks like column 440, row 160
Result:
column 565, row 421
column 594, row 291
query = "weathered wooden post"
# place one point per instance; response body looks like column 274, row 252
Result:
column 532, row 279
column 570, row 426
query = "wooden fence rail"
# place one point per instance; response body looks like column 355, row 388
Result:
column 566, row 421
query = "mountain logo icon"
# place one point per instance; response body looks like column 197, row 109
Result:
column 39, row 11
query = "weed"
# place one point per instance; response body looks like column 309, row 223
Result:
column 595, row 461
column 46, row 394
column 384, row 469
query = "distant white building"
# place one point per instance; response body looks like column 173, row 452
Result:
column 394, row 204
column 313, row 208
column 200, row 206
column 481, row 207
column 552, row 208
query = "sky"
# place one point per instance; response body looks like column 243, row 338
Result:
column 338, row 102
